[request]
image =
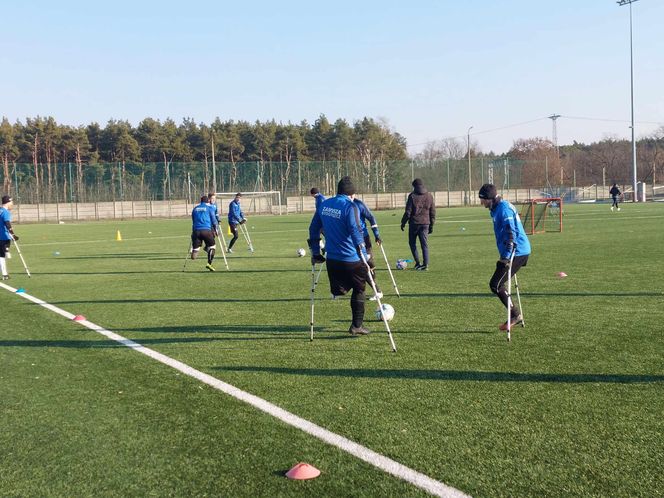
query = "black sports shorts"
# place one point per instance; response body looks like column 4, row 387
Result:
column 200, row 236
column 345, row 276
column 4, row 247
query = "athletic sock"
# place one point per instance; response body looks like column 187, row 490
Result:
column 210, row 255
column 357, row 307
column 3, row 266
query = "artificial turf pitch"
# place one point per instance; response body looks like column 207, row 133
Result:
column 571, row 407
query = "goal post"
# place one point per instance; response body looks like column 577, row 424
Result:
column 542, row 215
column 267, row 202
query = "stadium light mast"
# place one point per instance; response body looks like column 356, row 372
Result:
column 470, row 182
column 631, row 74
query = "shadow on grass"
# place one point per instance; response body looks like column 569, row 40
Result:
column 221, row 269
column 181, row 300
column 538, row 295
column 457, row 375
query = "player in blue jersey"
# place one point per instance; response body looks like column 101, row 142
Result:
column 235, row 218
column 212, row 202
column 511, row 239
column 318, row 197
column 339, row 218
column 6, row 233
column 203, row 224
column 367, row 216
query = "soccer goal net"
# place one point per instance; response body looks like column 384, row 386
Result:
column 252, row 202
column 542, row 215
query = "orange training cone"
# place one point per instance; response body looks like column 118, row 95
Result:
column 118, row 236
column 303, row 471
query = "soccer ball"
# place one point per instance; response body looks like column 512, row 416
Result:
column 401, row 264
column 301, row 252
column 386, row 311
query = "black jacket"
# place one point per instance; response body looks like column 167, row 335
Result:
column 420, row 208
column 615, row 191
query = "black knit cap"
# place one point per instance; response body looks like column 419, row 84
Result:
column 417, row 182
column 204, row 198
column 346, row 186
column 6, row 199
column 488, row 191
column 314, row 190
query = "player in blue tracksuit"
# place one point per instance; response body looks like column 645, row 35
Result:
column 318, row 197
column 202, row 230
column 235, row 218
column 339, row 218
column 6, row 233
column 212, row 202
column 511, row 239
column 367, row 216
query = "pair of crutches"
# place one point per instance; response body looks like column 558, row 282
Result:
column 18, row 250
column 247, row 238
column 314, row 282
column 509, row 299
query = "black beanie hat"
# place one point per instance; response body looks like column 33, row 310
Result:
column 6, row 199
column 488, row 191
column 314, row 190
column 417, row 182
column 346, row 186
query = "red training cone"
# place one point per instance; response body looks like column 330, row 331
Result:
column 78, row 318
column 303, row 471
column 562, row 274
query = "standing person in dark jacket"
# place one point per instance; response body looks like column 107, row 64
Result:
column 338, row 217
column 510, row 238
column 421, row 215
column 615, row 195
column 235, row 218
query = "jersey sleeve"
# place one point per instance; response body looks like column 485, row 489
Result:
column 354, row 225
column 314, row 233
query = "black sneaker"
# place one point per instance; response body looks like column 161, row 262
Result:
column 422, row 268
column 417, row 266
column 5, row 277
column 358, row 331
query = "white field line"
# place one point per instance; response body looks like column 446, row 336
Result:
column 422, row 481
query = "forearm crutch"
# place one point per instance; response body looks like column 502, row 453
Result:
column 314, row 280
column 380, row 305
column 387, row 263
column 518, row 298
column 245, row 232
column 18, row 250
column 509, row 298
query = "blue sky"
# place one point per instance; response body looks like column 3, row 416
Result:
column 431, row 68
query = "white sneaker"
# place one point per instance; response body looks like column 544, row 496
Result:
column 379, row 295
column 230, row 251
column 8, row 255
column 618, row 209
column 611, row 208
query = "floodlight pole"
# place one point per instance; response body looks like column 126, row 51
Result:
column 631, row 74
column 470, row 182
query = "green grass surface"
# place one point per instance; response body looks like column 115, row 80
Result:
column 571, row 407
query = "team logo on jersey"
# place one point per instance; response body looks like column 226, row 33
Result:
column 331, row 212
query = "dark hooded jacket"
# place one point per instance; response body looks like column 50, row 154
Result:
column 420, row 207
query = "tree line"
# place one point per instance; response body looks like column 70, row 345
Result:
column 126, row 156
column 541, row 163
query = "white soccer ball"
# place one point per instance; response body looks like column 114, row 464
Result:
column 386, row 311
column 301, row 252
column 402, row 264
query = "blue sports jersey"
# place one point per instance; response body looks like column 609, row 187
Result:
column 509, row 230
column 339, row 218
column 202, row 217
column 319, row 198
column 235, row 214
column 215, row 213
column 367, row 215
column 5, row 217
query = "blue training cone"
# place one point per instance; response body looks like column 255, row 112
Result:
column 20, row 290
